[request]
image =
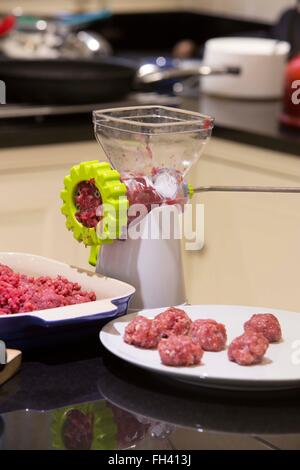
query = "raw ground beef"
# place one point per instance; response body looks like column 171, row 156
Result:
column 20, row 293
column 248, row 349
column 146, row 190
column 265, row 323
column 88, row 202
column 172, row 321
column 179, row 351
column 140, row 190
column 142, row 332
column 210, row 334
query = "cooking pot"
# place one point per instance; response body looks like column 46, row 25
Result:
column 261, row 62
column 236, row 67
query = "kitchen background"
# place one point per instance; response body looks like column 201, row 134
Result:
column 251, row 253
column 264, row 10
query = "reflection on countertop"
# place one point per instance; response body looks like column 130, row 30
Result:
column 253, row 122
column 261, row 117
column 96, row 402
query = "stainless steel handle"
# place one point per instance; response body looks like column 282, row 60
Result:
column 169, row 74
column 248, row 189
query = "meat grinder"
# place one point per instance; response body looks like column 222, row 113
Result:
column 129, row 209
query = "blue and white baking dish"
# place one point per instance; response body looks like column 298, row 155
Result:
column 59, row 325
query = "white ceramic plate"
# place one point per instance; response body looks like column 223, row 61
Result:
column 279, row 370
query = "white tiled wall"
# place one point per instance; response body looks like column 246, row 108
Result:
column 263, row 10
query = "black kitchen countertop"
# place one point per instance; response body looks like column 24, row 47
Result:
column 137, row 409
column 251, row 122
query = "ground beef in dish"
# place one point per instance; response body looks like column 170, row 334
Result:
column 210, row 334
column 172, row 321
column 179, row 351
column 88, row 202
column 248, row 349
column 265, row 323
column 141, row 332
column 20, row 293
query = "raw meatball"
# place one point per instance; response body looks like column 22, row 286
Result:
column 248, row 349
column 210, row 334
column 141, row 332
column 172, row 321
column 265, row 323
column 179, row 351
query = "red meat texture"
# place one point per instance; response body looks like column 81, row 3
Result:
column 20, row 293
column 172, row 321
column 88, row 202
column 210, row 334
column 179, row 351
column 181, row 342
column 248, row 348
column 265, row 323
column 141, row 332
column 141, row 190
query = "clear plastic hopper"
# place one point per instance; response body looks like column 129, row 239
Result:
column 152, row 147
column 145, row 141
column 140, row 140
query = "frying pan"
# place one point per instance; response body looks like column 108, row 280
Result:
column 242, row 67
column 66, row 81
column 51, row 81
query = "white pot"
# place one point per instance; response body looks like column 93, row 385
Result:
column 261, row 61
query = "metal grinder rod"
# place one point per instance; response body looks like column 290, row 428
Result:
column 248, row 189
